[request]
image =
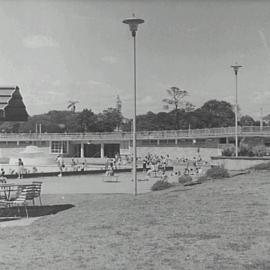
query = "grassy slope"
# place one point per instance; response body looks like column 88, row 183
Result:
column 216, row 225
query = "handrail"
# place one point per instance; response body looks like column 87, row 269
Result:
column 163, row 134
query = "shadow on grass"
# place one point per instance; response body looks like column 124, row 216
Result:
column 7, row 213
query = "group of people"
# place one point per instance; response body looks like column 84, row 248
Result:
column 75, row 165
column 191, row 166
column 20, row 171
column 155, row 164
column 192, row 171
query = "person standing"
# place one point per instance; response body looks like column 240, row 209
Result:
column 2, row 176
column 60, row 164
column 20, row 168
column 144, row 165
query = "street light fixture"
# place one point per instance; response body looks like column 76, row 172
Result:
column 133, row 27
column 236, row 68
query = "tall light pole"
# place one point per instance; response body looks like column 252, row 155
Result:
column 133, row 27
column 236, row 68
column 261, row 119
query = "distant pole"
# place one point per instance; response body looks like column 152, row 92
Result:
column 236, row 68
column 261, row 119
column 133, row 27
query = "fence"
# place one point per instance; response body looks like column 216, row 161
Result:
column 141, row 135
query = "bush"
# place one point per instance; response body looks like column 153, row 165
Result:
column 245, row 150
column 217, row 172
column 160, row 185
column 202, row 178
column 228, row 151
column 262, row 166
column 184, row 179
column 259, row 150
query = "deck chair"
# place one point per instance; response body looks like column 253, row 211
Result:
column 21, row 199
column 37, row 191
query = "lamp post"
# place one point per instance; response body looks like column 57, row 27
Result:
column 133, row 27
column 236, row 68
column 261, row 119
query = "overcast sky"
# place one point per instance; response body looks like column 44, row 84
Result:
column 57, row 51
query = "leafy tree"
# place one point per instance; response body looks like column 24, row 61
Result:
column 147, row 121
column 53, row 121
column 164, row 121
column 247, row 120
column 109, row 120
column 126, row 125
column 87, row 121
column 218, row 113
column 189, row 107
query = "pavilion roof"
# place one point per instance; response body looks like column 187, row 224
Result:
column 12, row 107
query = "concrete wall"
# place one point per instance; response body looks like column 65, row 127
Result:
column 239, row 163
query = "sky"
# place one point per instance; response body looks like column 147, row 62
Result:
column 78, row 50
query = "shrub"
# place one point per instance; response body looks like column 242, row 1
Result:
column 245, row 150
column 217, row 172
column 184, row 179
column 262, row 166
column 228, row 151
column 160, row 185
column 259, row 150
column 202, row 178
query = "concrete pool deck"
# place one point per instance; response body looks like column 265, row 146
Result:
column 90, row 184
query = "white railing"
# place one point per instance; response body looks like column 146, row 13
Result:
column 141, row 135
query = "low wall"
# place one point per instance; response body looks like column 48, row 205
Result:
column 238, row 163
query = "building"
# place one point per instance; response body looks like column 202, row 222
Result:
column 12, row 107
column 97, row 146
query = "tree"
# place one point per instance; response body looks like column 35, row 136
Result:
column 247, row 120
column 217, row 113
column 87, row 121
column 72, row 105
column 109, row 120
column 164, row 121
column 175, row 100
column 189, row 107
column 147, row 121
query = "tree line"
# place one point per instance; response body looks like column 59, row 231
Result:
column 180, row 114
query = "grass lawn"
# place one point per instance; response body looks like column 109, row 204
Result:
column 221, row 224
